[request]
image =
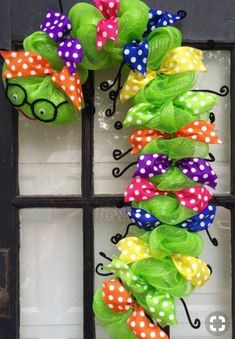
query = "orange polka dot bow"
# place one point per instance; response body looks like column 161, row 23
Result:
column 198, row 130
column 26, row 64
column 118, row 299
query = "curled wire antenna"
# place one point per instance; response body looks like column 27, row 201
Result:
column 182, row 14
column 117, row 173
column 224, row 91
column 212, row 117
column 116, row 238
column 118, row 154
column 197, row 322
column 100, row 267
column 113, row 95
column 214, row 241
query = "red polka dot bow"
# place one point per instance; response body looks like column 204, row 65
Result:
column 118, row 299
column 194, row 198
column 199, row 130
column 107, row 28
column 26, row 64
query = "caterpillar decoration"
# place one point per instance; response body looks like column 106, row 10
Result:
column 169, row 198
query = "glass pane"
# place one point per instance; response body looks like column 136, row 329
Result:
column 51, row 283
column 215, row 296
column 107, row 138
column 49, row 158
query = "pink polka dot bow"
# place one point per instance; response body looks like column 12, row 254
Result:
column 107, row 28
column 58, row 26
column 194, row 198
column 26, row 64
column 118, row 299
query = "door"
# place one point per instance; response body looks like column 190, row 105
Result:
column 61, row 196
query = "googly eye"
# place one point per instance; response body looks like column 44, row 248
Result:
column 42, row 111
column 15, row 97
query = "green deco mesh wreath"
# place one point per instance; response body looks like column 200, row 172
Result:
column 169, row 197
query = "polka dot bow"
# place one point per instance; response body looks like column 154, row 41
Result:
column 141, row 189
column 142, row 219
column 142, row 327
column 107, row 28
column 135, row 55
column 133, row 249
column 193, row 269
column 134, row 83
column 58, row 26
column 198, row 130
column 118, row 299
column 196, row 169
column 25, row 64
column 193, row 198
column 202, row 221
column 158, row 18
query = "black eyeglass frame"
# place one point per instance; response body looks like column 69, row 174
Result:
column 32, row 105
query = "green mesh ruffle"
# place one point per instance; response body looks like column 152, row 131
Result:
column 171, row 116
column 177, row 148
column 166, row 208
column 162, row 275
column 115, row 324
column 165, row 87
column 165, row 241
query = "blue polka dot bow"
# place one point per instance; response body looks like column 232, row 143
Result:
column 159, row 18
column 202, row 221
column 148, row 222
column 58, row 27
column 142, row 219
column 135, row 55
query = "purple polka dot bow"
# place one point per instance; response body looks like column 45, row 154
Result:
column 58, row 27
column 158, row 18
column 196, row 169
column 199, row 170
column 149, row 165
column 135, row 55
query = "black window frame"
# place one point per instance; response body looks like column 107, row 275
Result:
column 11, row 202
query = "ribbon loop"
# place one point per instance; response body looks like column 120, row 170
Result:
column 135, row 55
column 199, row 130
column 199, row 170
column 194, row 198
column 107, row 28
column 202, row 221
column 141, row 189
column 142, row 219
column 193, row 269
column 116, row 296
column 143, row 327
column 149, row 165
column 158, row 18
column 133, row 249
column 140, row 138
column 58, row 27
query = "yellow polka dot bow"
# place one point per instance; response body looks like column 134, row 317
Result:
column 193, row 269
column 178, row 60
